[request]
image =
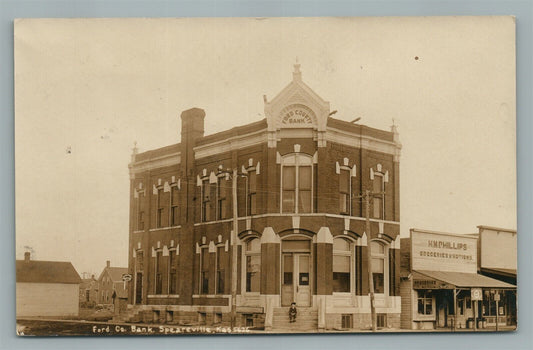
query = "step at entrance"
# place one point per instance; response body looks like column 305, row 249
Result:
column 306, row 320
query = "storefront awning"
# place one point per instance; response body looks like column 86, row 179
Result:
column 502, row 272
column 455, row 279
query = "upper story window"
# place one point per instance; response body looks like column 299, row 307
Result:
column 222, row 194
column 174, row 208
column 251, row 192
column 379, row 197
column 160, row 208
column 140, row 211
column 345, row 192
column 297, row 183
column 205, row 199
column 139, row 261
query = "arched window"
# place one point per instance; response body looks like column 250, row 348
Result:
column 253, row 265
column 297, row 184
column 342, row 265
column 379, row 267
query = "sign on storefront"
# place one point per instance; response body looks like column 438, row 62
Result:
column 443, row 252
column 476, row 294
column 430, row 284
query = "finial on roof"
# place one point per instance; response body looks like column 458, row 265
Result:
column 134, row 151
column 297, row 74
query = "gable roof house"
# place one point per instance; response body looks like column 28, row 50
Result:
column 111, row 280
column 46, row 288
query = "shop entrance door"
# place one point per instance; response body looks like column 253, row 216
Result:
column 296, row 284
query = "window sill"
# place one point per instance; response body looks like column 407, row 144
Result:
column 162, row 296
column 419, row 317
column 198, row 296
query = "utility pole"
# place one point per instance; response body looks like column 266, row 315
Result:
column 366, row 196
column 234, row 251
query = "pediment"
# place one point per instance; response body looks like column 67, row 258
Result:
column 297, row 106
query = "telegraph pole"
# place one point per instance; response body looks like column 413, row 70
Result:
column 234, row 251
column 366, row 196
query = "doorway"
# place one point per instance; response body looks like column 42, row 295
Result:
column 139, row 288
column 296, row 279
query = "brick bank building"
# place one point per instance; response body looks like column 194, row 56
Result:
column 300, row 226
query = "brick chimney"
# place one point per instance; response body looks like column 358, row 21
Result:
column 192, row 125
column 27, row 256
column 108, row 263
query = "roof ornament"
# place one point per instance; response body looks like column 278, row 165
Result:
column 297, row 74
column 134, row 151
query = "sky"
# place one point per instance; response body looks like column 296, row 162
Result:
column 87, row 89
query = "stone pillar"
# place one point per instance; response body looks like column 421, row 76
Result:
column 270, row 272
column 324, row 272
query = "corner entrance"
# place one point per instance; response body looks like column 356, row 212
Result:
column 296, row 272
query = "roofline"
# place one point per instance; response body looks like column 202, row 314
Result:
column 496, row 228
column 462, row 235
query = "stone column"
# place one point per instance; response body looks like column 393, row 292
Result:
column 324, row 272
column 270, row 272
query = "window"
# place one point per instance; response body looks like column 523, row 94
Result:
column 140, row 211
column 172, row 277
column 253, row 265
column 378, row 200
column 160, row 208
column 139, row 260
column 205, row 200
column 252, row 191
column 347, row 321
column 202, row 318
column 378, row 267
column 222, row 189
column 204, row 271
column 297, row 181
column 342, row 256
column 489, row 303
column 425, row 302
column 381, row 320
column 345, row 192
column 174, row 213
column 221, row 264
column 158, row 273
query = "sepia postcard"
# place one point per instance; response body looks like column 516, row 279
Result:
column 265, row 175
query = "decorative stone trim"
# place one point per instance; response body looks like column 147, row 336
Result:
column 324, row 236
column 269, row 236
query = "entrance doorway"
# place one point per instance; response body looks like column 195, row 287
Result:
column 296, row 279
column 139, row 288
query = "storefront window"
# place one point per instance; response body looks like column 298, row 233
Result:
column 342, row 254
column 489, row 303
column 204, row 277
column 378, row 267
column 425, row 302
column 253, row 265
